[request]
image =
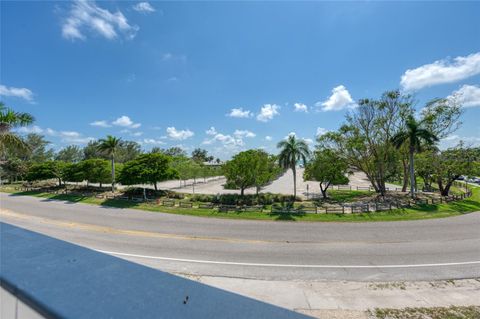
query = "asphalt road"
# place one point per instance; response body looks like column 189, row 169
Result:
column 446, row 248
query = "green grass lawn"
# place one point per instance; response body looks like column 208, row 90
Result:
column 419, row 212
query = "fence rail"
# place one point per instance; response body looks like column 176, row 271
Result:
column 353, row 208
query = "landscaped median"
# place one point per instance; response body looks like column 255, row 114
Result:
column 304, row 211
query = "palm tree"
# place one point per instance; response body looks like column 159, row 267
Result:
column 10, row 119
column 292, row 151
column 413, row 135
column 110, row 145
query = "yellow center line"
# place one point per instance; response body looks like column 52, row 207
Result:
column 115, row 231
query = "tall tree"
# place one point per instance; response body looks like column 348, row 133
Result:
column 10, row 119
column 46, row 170
column 38, row 152
column 92, row 150
column 292, row 150
column 172, row 151
column 109, row 146
column 127, row 151
column 95, row 170
column 239, row 170
column 70, row 154
column 450, row 164
column 147, row 169
column 413, row 136
column 365, row 139
column 327, row 168
column 201, row 155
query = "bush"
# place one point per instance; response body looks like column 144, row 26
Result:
column 138, row 192
column 249, row 200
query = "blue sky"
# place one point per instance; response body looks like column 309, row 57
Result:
column 165, row 73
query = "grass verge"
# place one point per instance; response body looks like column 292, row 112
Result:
column 453, row 312
column 468, row 205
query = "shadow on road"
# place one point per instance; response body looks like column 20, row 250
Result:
column 64, row 280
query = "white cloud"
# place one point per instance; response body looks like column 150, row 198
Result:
column 268, row 112
column 70, row 134
column 143, row 7
column 125, row 121
column 441, row 71
column 137, row 134
column 321, row 131
column 339, row 100
column 467, row 96
column 23, row 93
column 268, row 138
column 231, row 142
column 86, row 16
column 453, row 140
column 211, row 131
column 30, row 129
column 239, row 113
column 244, row 133
column 152, row 141
column 101, row 123
column 308, row 141
column 300, row 107
column 175, row 134
column 70, row 137
column 169, row 56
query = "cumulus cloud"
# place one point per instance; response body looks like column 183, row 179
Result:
column 101, row 123
column 239, row 113
column 244, row 133
column 339, row 100
column 268, row 112
column 22, row 93
column 86, row 17
column 143, row 7
column 268, row 138
column 152, row 141
column 125, row 121
column 441, row 71
column 321, row 131
column 180, row 135
column 300, row 107
column 211, row 131
column 30, row 129
column 232, row 142
column 454, row 139
column 467, row 96
column 70, row 137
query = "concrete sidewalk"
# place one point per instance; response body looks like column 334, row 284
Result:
column 349, row 299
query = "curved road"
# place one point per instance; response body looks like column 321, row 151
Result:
column 446, row 248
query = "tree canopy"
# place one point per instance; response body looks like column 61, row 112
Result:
column 327, row 168
column 147, row 169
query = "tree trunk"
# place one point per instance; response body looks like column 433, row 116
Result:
column 446, row 190
column 294, row 170
column 59, row 181
column 412, row 174
column 405, row 175
column 113, row 173
column 242, row 190
column 155, row 185
column 324, row 191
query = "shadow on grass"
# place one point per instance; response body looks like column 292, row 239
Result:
column 289, row 216
column 119, row 203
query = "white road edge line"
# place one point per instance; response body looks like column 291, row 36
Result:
column 287, row 265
